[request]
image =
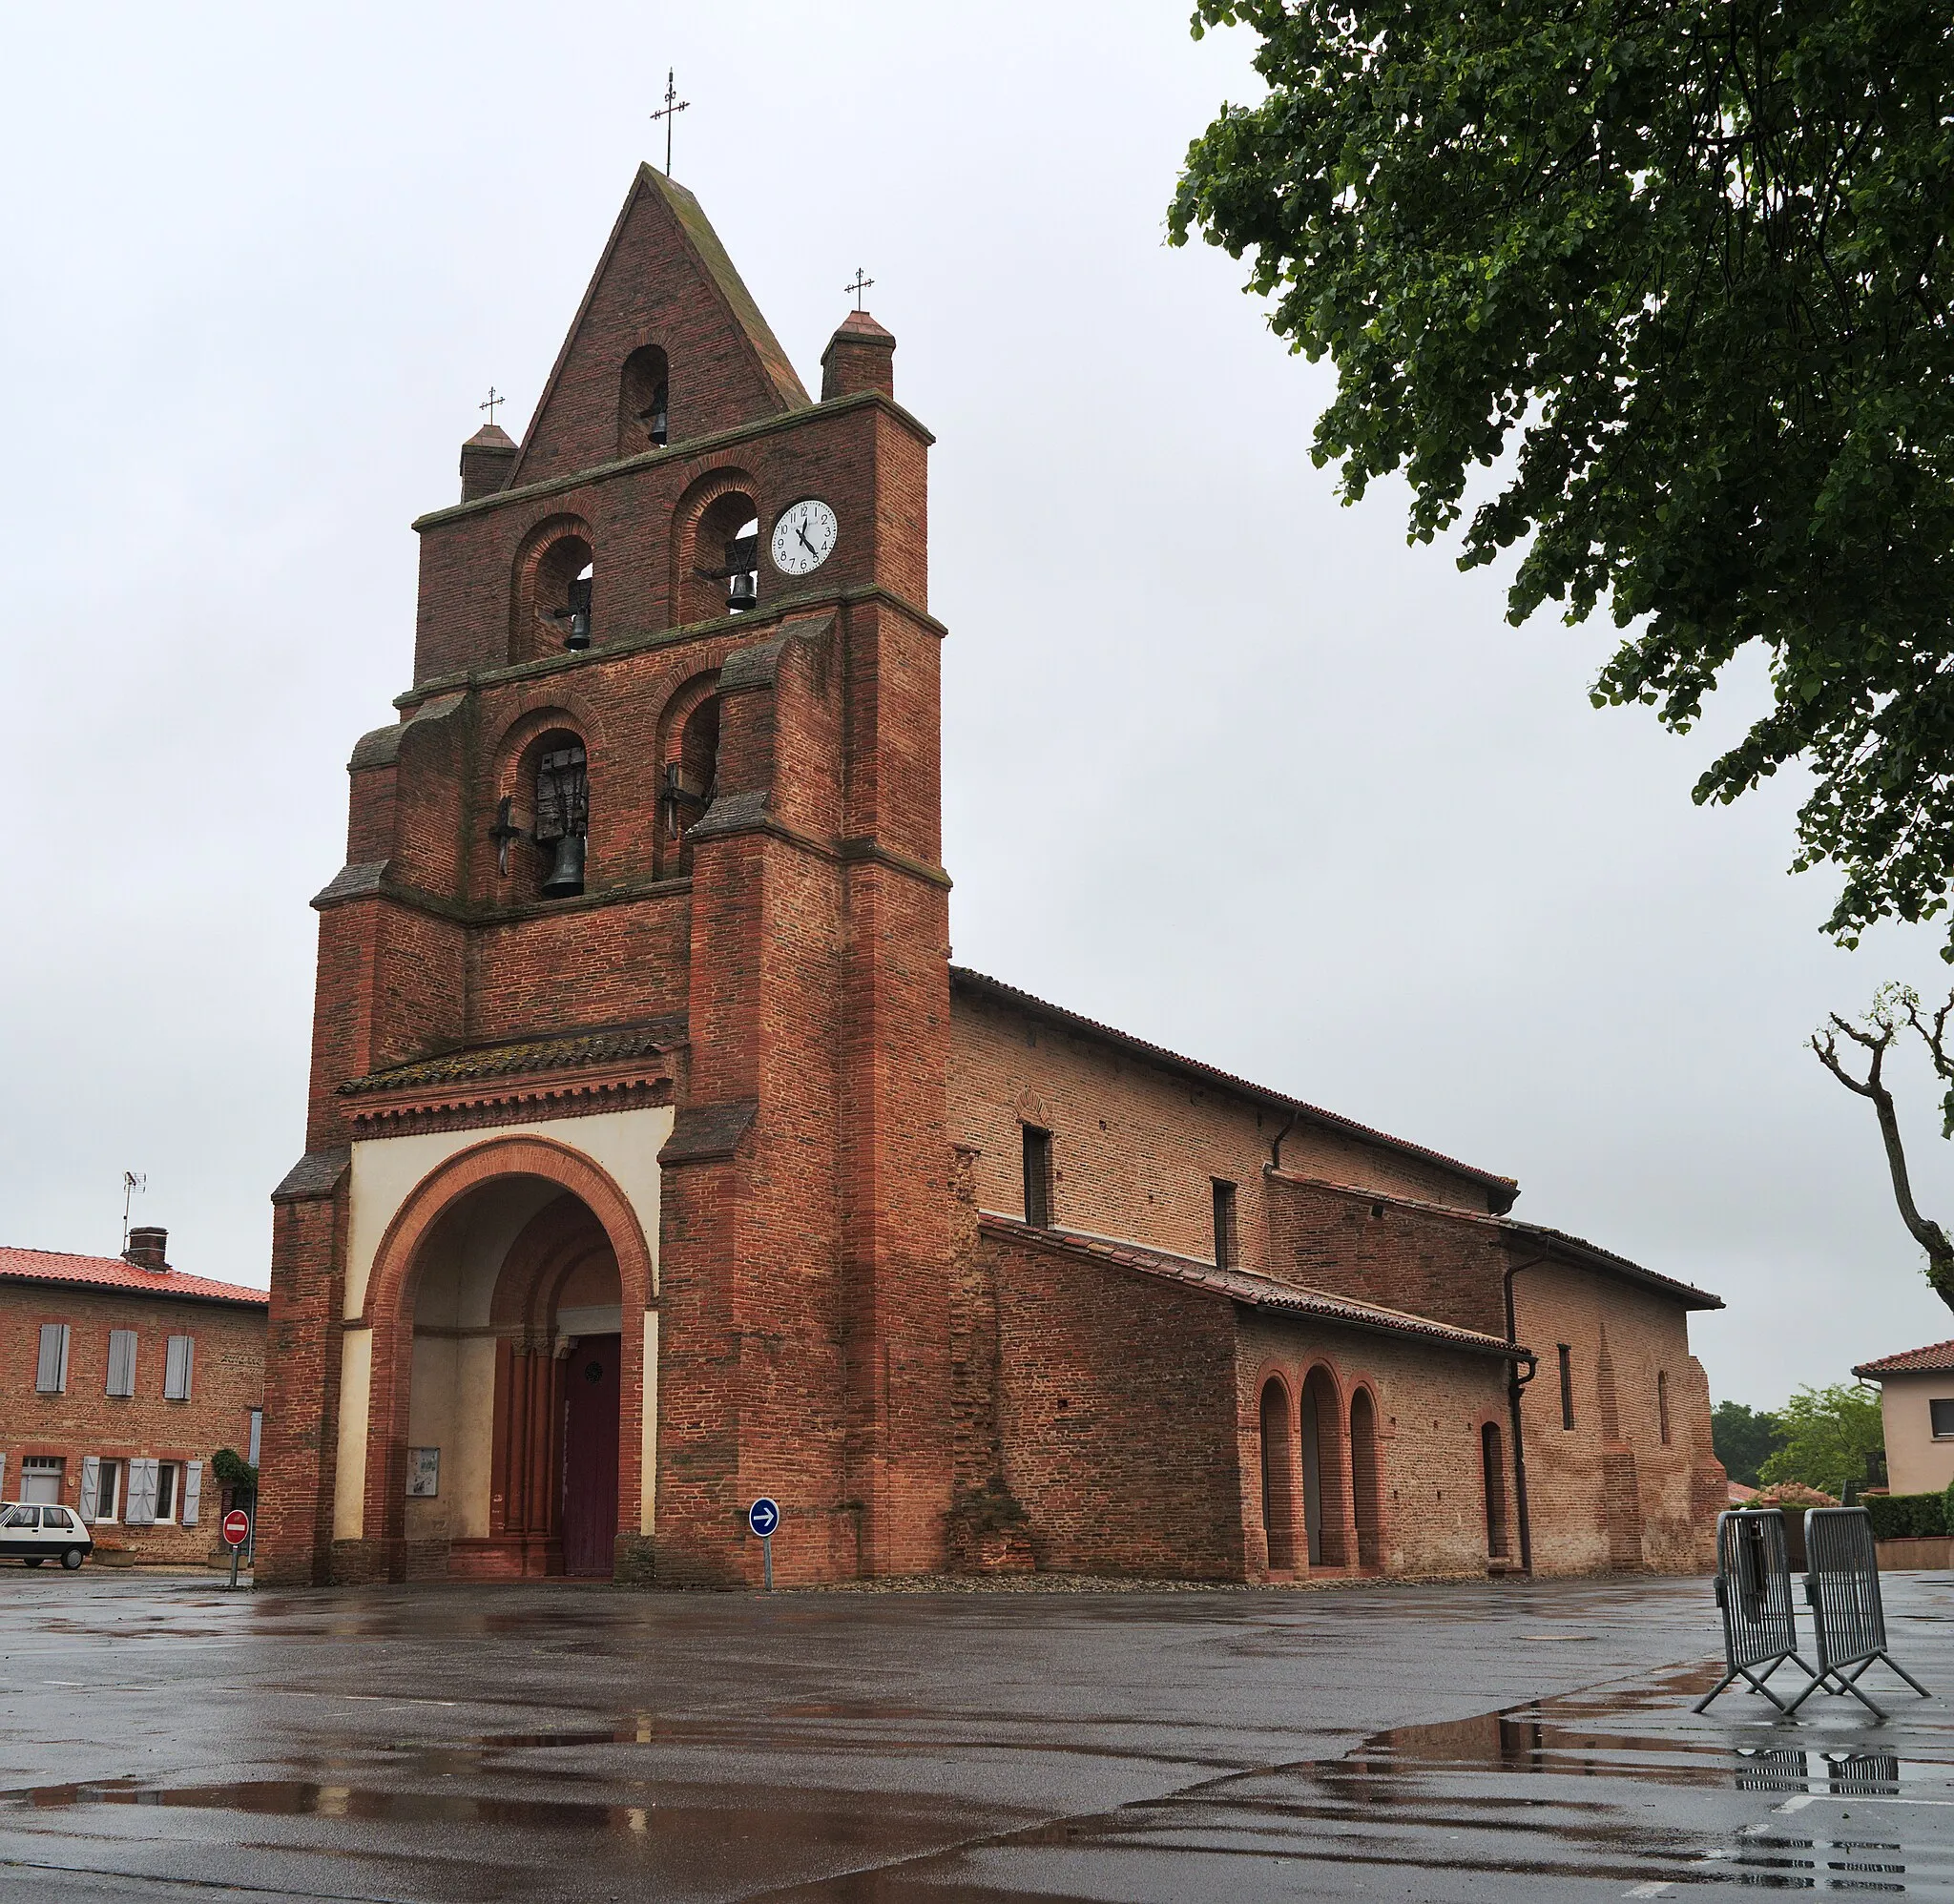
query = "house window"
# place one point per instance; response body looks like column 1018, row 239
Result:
column 176, row 1368
column 51, row 1370
column 1037, row 1177
column 1567, row 1386
column 121, row 1361
column 40, row 1478
column 1942, row 1415
column 167, row 1479
column 108, row 1500
column 1225, row 1253
column 1662, row 1404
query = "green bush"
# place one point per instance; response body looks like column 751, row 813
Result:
column 1899, row 1516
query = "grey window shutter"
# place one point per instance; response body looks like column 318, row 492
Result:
column 90, row 1485
column 121, row 1361
column 176, row 1369
column 50, row 1373
column 256, row 1434
column 140, row 1507
column 3, row 1476
column 192, row 1488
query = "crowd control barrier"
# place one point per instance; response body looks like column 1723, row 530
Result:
column 1843, row 1588
column 1754, row 1593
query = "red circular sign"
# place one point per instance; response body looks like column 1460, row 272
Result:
column 237, row 1528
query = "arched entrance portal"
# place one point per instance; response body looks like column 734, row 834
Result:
column 1278, row 1489
column 1323, row 1470
column 1363, row 1477
column 505, row 1379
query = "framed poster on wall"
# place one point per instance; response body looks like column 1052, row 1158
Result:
column 424, row 1473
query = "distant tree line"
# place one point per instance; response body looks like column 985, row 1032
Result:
column 1821, row 1437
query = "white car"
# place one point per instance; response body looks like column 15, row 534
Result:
column 32, row 1535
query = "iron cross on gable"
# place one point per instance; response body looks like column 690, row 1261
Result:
column 493, row 400
column 862, row 281
column 674, row 105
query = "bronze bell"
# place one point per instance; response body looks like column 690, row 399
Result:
column 566, row 878
column 744, row 593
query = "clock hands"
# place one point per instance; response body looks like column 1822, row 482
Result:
column 801, row 531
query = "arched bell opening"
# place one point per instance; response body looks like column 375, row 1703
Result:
column 512, row 1457
column 644, row 401
column 723, row 574
column 554, row 592
column 543, row 826
column 1278, row 1487
column 1366, row 1504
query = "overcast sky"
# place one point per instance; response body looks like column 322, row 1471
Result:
column 1226, row 764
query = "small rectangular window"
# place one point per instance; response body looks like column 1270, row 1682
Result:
column 1662, row 1404
column 121, row 1361
column 1942, row 1415
column 1567, row 1386
column 51, row 1370
column 177, row 1366
column 108, row 1496
column 1225, row 1256
column 1037, row 1177
column 166, row 1490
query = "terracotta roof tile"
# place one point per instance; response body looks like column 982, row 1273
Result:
column 1252, row 1289
column 58, row 1266
column 612, row 1044
column 1936, row 1359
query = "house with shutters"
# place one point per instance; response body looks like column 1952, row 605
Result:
column 120, row 1378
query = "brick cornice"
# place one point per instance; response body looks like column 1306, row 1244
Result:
column 485, row 1105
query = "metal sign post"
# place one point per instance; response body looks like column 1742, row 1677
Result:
column 763, row 1517
column 236, row 1530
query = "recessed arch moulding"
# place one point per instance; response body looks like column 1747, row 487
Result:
column 469, row 1258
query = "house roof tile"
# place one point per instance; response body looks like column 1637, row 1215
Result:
column 58, row 1266
column 1936, row 1359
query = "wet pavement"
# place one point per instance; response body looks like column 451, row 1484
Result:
column 164, row 1739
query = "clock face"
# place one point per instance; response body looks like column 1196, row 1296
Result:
column 803, row 537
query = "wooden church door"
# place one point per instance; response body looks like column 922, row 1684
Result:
column 590, row 1455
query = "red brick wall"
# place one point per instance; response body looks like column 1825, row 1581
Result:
column 1136, row 1148
column 227, row 1382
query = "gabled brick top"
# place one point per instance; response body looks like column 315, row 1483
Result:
column 612, row 1044
column 1936, row 1359
column 975, row 984
column 57, row 1266
column 1250, row 1289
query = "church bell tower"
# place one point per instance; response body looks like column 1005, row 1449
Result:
column 624, row 1199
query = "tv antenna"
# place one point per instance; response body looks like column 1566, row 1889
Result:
column 132, row 1185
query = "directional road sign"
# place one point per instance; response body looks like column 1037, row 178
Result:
column 763, row 1517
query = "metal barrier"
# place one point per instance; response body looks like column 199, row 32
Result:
column 1754, row 1592
column 1847, row 1616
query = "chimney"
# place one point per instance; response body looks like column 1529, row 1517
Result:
column 860, row 356
column 147, row 1243
column 487, row 459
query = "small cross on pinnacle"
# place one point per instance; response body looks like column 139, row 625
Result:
column 672, row 106
column 490, row 405
column 862, row 282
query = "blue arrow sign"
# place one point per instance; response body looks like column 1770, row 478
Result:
column 763, row 1517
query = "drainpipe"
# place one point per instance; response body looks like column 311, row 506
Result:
column 1276, row 1149
column 1515, row 1382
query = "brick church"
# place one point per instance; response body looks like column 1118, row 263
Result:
column 658, row 1158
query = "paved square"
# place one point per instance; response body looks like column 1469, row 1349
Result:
column 164, row 1739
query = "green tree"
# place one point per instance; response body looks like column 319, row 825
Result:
column 1828, row 1434
column 1744, row 1439
column 1686, row 267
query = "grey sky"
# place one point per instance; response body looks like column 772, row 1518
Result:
column 1226, row 765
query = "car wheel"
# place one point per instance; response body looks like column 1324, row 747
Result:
column 31, row 1560
column 71, row 1559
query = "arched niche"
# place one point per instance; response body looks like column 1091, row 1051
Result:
column 688, row 769
column 644, row 401
column 1278, row 1475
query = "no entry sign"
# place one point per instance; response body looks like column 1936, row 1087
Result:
column 237, row 1528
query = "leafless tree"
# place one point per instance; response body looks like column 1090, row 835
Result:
column 1893, row 1007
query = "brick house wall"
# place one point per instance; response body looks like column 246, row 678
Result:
column 227, row 1384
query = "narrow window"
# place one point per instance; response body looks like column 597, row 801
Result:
column 1567, row 1386
column 1942, row 1415
column 51, row 1370
column 108, row 1492
column 176, row 1369
column 1492, row 1460
column 121, row 1361
column 1225, row 1256
column 1662, row 1403
column 166, row 1490
column 1037, row 1177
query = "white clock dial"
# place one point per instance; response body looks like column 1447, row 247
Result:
column 803, row 537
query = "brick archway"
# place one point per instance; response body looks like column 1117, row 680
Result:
column 390, row 1313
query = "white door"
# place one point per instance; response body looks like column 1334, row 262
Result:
column 41, row 1480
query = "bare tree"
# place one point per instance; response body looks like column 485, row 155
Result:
column 1894, row 1007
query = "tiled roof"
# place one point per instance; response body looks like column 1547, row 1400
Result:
column 613, row 1045
column 1596, row 1257
column 977, row 984
column 1252, row 1289
column 57, row 1266
column 1936, row 1359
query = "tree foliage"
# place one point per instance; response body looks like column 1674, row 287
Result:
column 1828, row 1434
column 1686, row 264
column 1745, row 1439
